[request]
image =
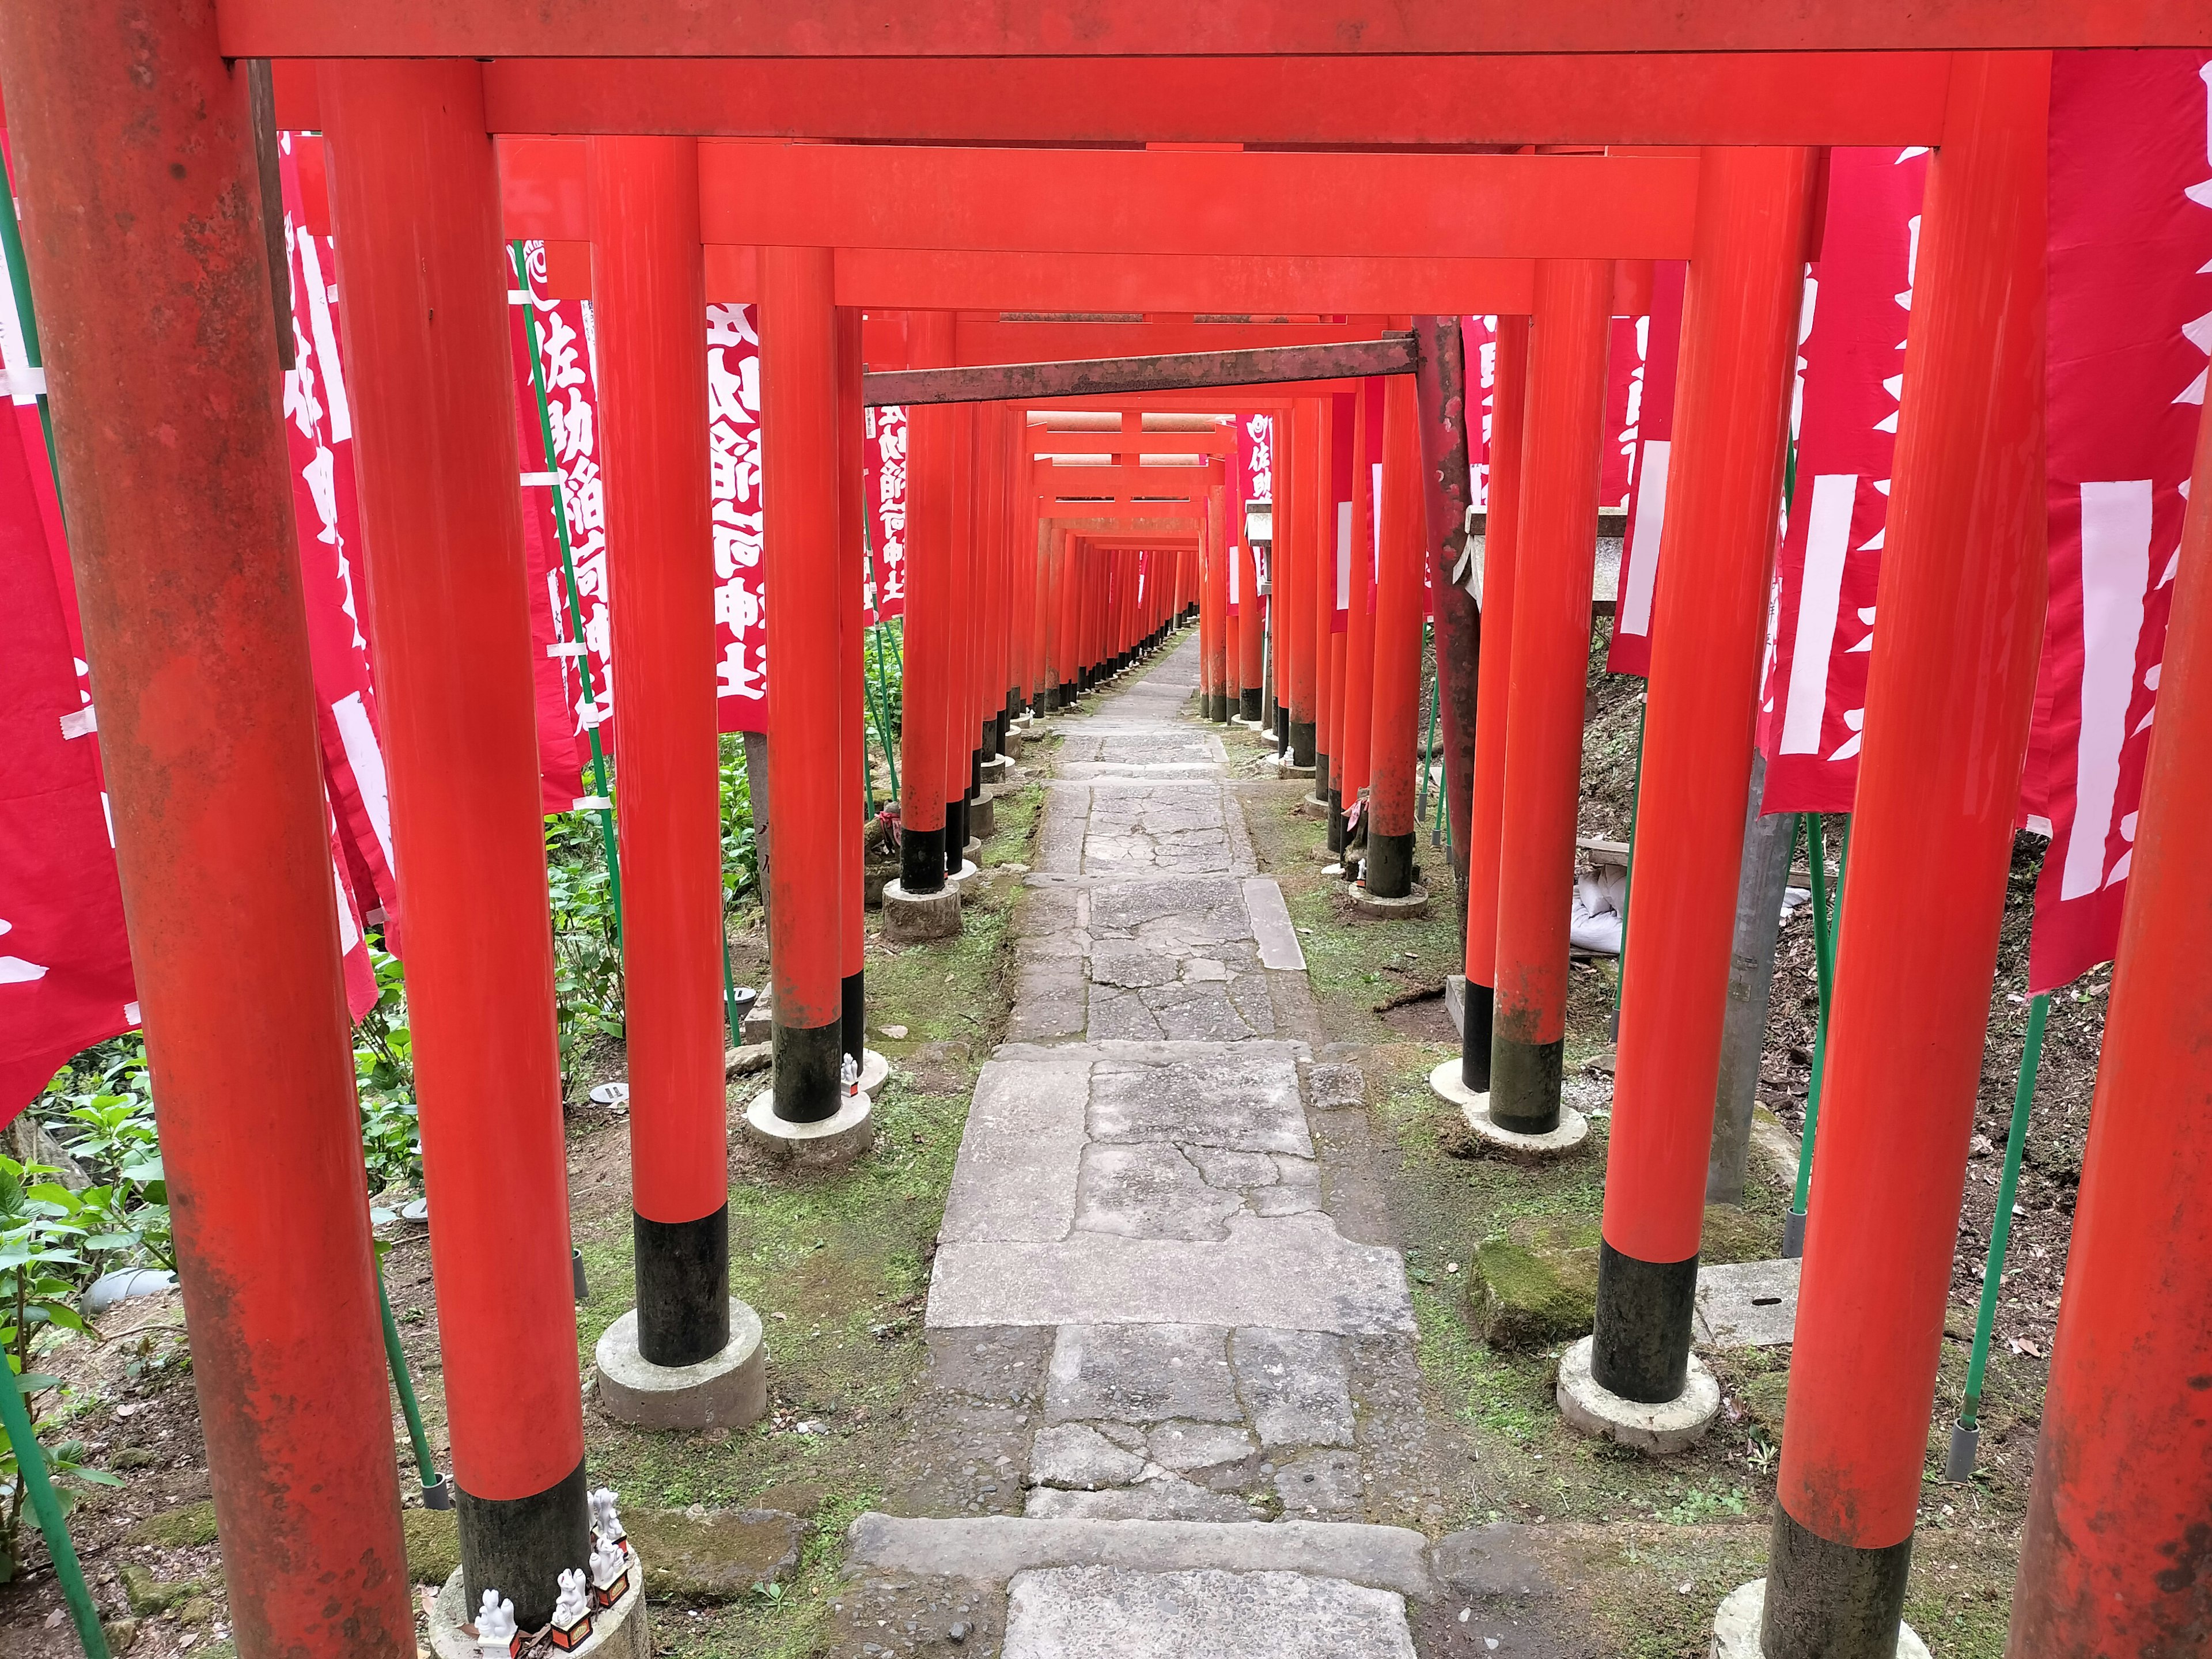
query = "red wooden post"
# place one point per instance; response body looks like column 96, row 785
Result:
column 2116, row 1553
column 958, row 779
column 1337, row 535
column 1391, row 828
column 1441, row 389
column 1554, row 563
column 1356, row 766
column 1251, row 638
column 1494, row 676
column 142, row 224
column 852, row 670
column 931, row 430
column 1738, row 351
column 415, row 195
column 1949, row 696
column 800, row 498
column 649, row 293
column 1214, row 649
column 1321, row 591
column 1297, row 448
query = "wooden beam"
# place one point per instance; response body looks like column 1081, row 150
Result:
column 1014, row 382
column 1167, row 28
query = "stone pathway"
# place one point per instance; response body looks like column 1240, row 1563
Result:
column 1172, row 1364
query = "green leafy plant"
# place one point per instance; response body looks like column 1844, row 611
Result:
column 384, row 1074
column 44, row 1238
column 740, row 853
column 587, row 962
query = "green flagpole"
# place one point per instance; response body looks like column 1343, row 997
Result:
column 1828, row 918
column 46, row 1505
column 1628, row 876
column 1967, row 1432
column 19, row 280
column 606, row 812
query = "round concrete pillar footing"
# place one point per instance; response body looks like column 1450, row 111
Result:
column 729, row 1391
column 829, row 1143
column 1736, row 1627
column 1309, row 807
column 621, row 1631
column 911, row 916
column 983, row 814
column 995, row 770
column 1562, row 1142
column 970, row 872
column 1667, row 1427
column 1415, row 903
column 874, row 1068
column 1293, row 769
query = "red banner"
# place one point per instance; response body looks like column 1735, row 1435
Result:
column 2130, row 268
column 1851, row 364
column 1631, row 650
column 1623, row 406
column 886, row 491
column 741, row 583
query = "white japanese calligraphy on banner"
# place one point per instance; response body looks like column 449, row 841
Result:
column 886, row 491
column 734, row 485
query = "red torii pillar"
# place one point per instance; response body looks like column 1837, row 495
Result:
column 1336, row 536
column 1214, row 649
column 1251, row 638
column 1321, row 592
column 852, row 690
column 1950, row 694
column 1544, row 719
column 1392, row 829
column 1493, row 679
column 415, row 196
column 649, row 292
column 1739, row 347
column 802, row 502
column 931, row 433
column 1298, row 446
column 1356, row 766
column 187, row 574
column 2116, row 1549
column 961, row 760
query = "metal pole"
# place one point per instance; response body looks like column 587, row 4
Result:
column 1967, row 1432
column 606, row 809
column 46, row 1505
column 435, row 1494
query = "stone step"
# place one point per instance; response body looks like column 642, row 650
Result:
column 1075, row 1612
column 995, row 1548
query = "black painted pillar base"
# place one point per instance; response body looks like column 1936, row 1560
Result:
column 975, row 767
column 1641, row 1346
column 1829, row 1601
column 922, row 860
column 683, row 1288
column 520, row 1547
column 854, row 1029
column 1475, row 1038
column 1302, row 743
column 1524, row 1083
column 1282, row 729
column 1390, row 866
column 1320, row 774
column 1247, row 703
column 810, row 1063
column 955, row 836
column 1336, row 822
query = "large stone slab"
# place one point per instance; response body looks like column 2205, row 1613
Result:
column 1289, row 1272
column 1752, row 1304
column 1107, row 1613
column 1141, row 1374
column 1296, row 1387
column 1150, row 1190
column 1272, row 925
column 992, row 1549
column 1240, row 1100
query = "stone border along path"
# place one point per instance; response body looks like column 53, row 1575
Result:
column 1162, row 1314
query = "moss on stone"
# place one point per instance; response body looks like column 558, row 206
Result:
column 433, row 1544
column 191, row 1527
column 1536, row 1283
column 149, row 1595
column 711, row 1556
column 1733, row 1234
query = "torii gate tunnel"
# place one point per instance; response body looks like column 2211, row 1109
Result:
column 1364, row 174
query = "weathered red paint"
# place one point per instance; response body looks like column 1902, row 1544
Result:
column 1174, row 371
column 1440, row 385
column 660, row 555
column 1494, row 670
column 799, row 493
column 1738, row 351
column 1553, row 569
column 2117, row 1554
column 143, row 222
column 1949, row 696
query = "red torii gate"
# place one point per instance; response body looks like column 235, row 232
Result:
column 1948, row 698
